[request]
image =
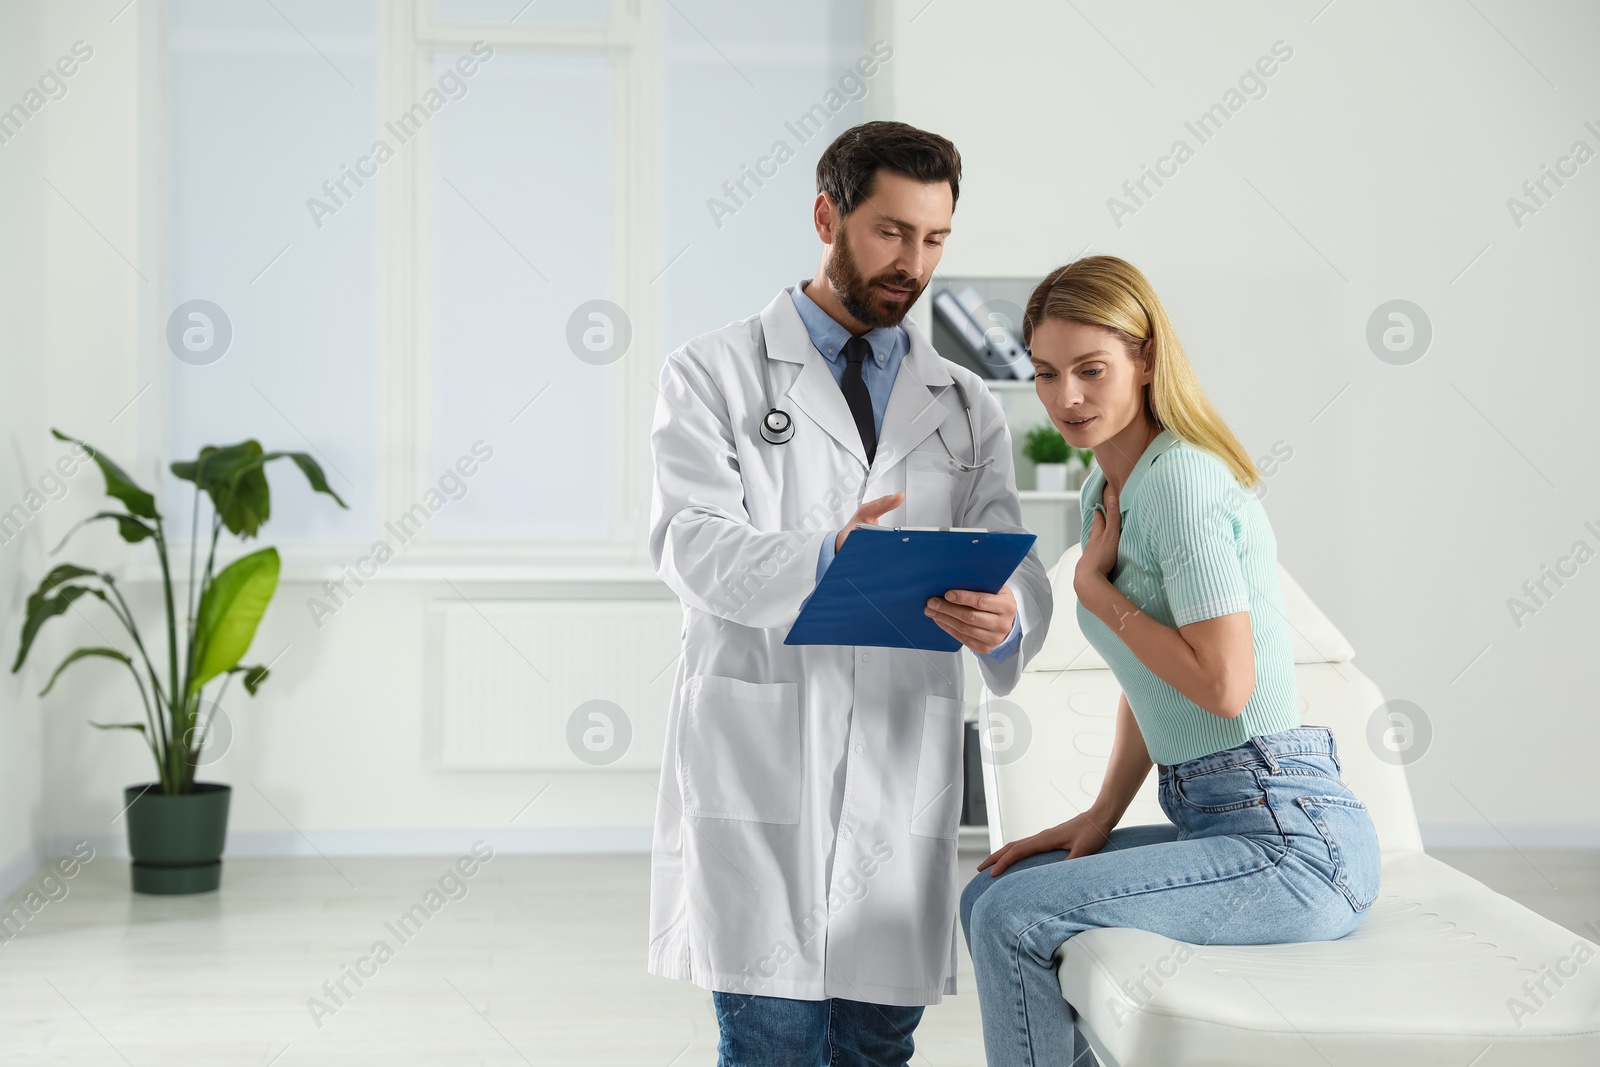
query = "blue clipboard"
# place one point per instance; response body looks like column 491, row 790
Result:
column 874, row 591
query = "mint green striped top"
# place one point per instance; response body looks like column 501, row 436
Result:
column 1195, row 544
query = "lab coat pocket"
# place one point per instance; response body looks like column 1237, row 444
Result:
column 739, row 751
column 930, row 490
column 936, row 803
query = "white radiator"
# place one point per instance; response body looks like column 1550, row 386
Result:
column 550, row 684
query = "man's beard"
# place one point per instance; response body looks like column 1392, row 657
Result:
column 857, row 295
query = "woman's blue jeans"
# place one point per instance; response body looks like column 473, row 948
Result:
column 1267, row 845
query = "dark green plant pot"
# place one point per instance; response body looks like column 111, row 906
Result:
column 176, row 841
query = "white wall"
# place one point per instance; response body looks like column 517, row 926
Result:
column 23, row 338
column 1389, row 141
column 1377, row 166
column 332, row 754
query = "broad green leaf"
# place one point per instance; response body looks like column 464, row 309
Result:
column 230, row 610
column 118, row 484
column 253, row 677
column 60, row 574
column 84, row 653
column 313, row 474
column 245, row 502
column 132, row 530
column 41, row 609
column 231, row 476
column 216, row 466
column 234, row 477
column 251, row 500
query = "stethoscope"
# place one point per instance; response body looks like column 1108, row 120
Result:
column 777, row 426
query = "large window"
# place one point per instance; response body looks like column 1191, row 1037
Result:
column 404, row 235
column 524, row 207
column 274, row 316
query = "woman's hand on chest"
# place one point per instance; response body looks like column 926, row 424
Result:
column 1105, row 534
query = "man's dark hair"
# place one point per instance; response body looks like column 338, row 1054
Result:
column 849, row 166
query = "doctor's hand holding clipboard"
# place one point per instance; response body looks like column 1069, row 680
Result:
column 981, row 621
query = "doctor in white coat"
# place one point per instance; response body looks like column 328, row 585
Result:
column 804, row 861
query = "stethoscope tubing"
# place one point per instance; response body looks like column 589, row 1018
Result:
column 777, row 425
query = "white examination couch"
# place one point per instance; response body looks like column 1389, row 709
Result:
column 1441, row 971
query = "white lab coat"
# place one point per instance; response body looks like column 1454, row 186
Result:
column 805, row 831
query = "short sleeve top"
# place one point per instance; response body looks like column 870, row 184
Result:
column 1195, row 545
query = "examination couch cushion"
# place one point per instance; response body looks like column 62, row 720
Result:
column 1441, row 969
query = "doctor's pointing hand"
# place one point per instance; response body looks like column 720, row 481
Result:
column 981, row 621
column 804, row 860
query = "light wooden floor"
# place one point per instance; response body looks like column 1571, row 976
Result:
column 541, row 962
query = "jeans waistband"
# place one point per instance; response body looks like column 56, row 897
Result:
column 1262, row 749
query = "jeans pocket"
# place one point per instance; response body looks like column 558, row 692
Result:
column 1215, row 792
column 1345, row 826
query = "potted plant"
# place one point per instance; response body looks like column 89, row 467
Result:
column 1049, row 452
column 176, row 825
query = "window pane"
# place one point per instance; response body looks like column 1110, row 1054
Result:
column 778, row 74
column 263, row 111
column 523, row 219
column 522, row 12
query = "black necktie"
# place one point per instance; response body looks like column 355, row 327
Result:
column 855, row 393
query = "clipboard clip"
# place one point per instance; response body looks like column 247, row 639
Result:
column 942, row 529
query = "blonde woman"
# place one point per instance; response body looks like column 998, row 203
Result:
column 1178, row 590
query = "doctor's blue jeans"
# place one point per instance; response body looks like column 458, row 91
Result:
column 761, row 1031
column 1267, row 845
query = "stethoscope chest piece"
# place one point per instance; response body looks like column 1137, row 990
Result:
column 777, row 427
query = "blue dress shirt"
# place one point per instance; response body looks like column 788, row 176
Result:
column 889, row 346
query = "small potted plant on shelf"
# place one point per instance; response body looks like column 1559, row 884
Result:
column 176, row 825
column 1057, row 466
column 1049, row 452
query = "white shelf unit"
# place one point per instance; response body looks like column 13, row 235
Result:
column 1054, row 518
